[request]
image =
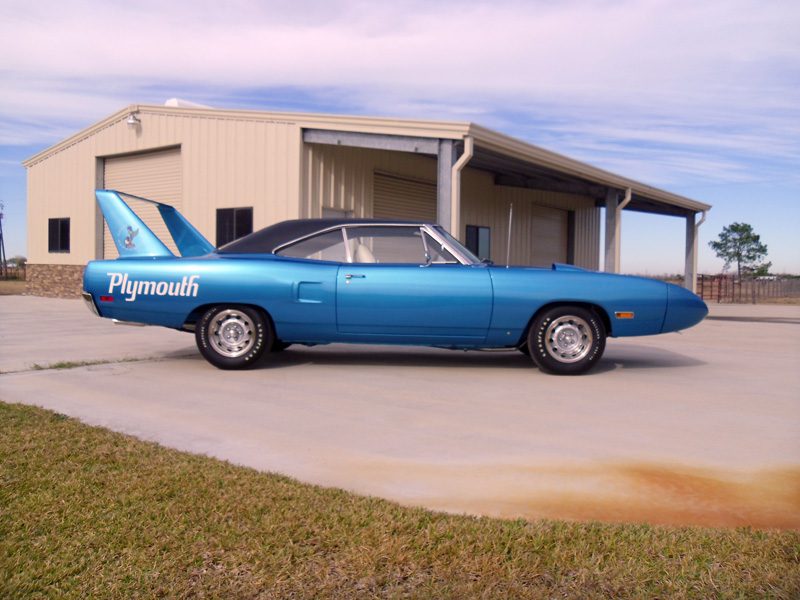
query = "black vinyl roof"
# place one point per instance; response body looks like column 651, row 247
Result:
column 265, row 241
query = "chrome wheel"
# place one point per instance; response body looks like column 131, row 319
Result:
column 231, row 333
column 568, row 339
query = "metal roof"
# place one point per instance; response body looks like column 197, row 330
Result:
column 514, row 161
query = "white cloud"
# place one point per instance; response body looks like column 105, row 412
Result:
column 619, row 80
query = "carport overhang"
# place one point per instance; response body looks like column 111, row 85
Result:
column 518, row 164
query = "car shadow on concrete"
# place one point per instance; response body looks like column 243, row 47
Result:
column 380, row 357
column 627, row 357
column 632, row 356
column 775, row 320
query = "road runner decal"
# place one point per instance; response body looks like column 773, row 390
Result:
column 132, row 233
column 133, row 288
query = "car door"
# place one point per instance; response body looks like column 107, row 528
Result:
column 404, row 287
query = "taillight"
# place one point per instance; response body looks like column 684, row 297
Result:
column 106, row 298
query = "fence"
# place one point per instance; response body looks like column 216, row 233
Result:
column 13, row 272
column 731, row 289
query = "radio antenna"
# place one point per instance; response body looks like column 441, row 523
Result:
column 508, row 243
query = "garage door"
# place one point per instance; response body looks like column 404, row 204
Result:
column 154, row 175
column 400, row 198
column 549, row 233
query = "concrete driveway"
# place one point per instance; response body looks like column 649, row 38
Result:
column 701, row 427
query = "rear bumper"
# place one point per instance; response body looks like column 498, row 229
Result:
column 89, row 301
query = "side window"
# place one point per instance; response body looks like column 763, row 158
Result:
column 386, row 245
column 326, row 246
column 437, row 253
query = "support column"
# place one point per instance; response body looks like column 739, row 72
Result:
column 690, row 267
column 612, row 246
column 447, row 158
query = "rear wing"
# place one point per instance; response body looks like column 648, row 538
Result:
column 135, row 239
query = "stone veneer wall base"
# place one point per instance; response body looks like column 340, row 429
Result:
column 54, row 281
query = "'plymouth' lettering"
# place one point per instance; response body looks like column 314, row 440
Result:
column 132, row 288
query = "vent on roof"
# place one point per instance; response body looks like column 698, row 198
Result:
column 178, row 103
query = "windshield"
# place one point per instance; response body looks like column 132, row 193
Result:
column 458, row 246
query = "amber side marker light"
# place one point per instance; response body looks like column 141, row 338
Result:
column 106, row 298
column 623, row 315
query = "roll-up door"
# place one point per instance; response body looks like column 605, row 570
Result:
column 549, row 230
column 400, row 198
column 154, row 175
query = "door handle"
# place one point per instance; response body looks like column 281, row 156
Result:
column 354, row 276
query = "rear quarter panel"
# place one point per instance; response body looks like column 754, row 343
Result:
column 296, row 295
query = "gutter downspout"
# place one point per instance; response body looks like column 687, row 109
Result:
column 455, row 186
column 624, row 203
column 693, row 287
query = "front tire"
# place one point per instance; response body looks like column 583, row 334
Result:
column 233, row 336
column 566, row 340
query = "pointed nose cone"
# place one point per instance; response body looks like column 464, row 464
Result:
column 684, row 309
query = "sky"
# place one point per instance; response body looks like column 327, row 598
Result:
column 698, row 98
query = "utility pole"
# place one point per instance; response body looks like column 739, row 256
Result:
column 3, row 268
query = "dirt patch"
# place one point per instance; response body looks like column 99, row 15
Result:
column 665, row 496
column 634, row 493
column 11, row 287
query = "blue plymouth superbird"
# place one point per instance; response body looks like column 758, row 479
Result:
column 318, row 281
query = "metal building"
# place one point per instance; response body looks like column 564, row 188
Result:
column 231, row 172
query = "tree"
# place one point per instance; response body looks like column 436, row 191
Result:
column 739, row 244
column 18, row 261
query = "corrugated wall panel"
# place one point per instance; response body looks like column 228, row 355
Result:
column 485, row 204
column 62, row 184
column 217, row 172
column 152, row 175
column 587, row 238
column 548, row 233
column 402, row 198
column 342, row 178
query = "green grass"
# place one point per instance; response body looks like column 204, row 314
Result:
column 85, row 512
column 74, row 364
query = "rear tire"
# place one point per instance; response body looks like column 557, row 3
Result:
column 566, row 340
column 233, row 336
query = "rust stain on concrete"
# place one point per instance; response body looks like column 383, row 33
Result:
column 630, row 493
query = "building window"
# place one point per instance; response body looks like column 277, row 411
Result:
column 233, row 223
column 479, row 241
column 58, row 235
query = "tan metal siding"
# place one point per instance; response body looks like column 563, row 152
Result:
column 343, row 178
column 485, row 204
column 226, row 162
column 402, row 198
column 587, row 237
column 153, row 175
